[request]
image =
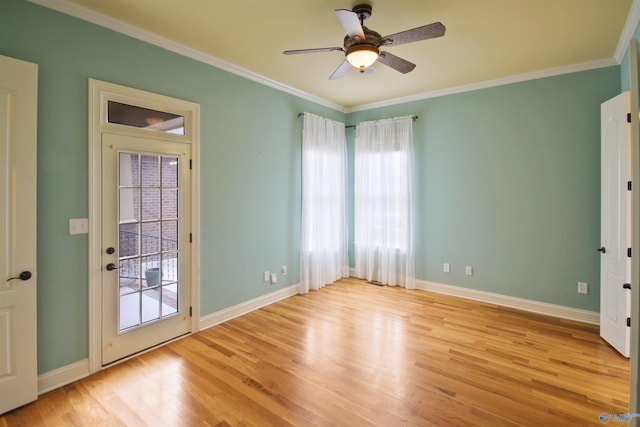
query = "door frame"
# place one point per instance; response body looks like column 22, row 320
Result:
column 634, row 371
column 99, row 93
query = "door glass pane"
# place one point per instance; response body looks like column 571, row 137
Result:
column 129, row 239
column 169, row 204
column 169, row 236
column 150, row 304
column 151, row 237
column 169, row 299
column 129, row 275
column 152, row 271
column 169, row 268
column 129, row 310
column 169, row 172
column 150, row 203
column 150, row 171
column 129, row 173
column 148, row 238
column 129, row 204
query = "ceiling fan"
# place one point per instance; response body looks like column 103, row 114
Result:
column 362, row 45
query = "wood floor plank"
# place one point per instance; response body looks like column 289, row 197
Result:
column 354, row 354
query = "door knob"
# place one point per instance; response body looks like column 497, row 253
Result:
column 111, row 266
column 603, row 250
column 25, row 275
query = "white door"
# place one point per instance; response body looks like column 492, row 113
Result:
column 18, row 117
column 145, row 238
column 615, row 297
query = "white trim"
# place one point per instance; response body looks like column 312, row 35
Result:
column 99, row 93
column 634, row 373
column 512, row 302
column 81, row 369
column 95, row 219
column 116, row 25
column 550, row 72
column 195, row 223
column 248, row 306
column 63, row 376
column 627, row 32
column 121, row 27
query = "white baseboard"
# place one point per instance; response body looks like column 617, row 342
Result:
column 222, row 316
column 63, row 376
column 512, row 302
column 78, row 370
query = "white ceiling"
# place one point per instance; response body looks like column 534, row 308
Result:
column 485, row 40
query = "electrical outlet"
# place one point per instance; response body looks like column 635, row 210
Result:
column 274, row 277
column 265, row 276
column 446, row 267
column 284, row 270
column 583, row 288
column 468, row 270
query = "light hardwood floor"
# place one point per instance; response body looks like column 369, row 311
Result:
column 354, row 354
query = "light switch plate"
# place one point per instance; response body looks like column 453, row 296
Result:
column 79, row 226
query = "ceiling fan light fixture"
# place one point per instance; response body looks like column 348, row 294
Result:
column 362, row 56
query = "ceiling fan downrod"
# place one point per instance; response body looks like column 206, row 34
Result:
column 363, row 11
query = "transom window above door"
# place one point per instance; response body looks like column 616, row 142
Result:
column 144, row 118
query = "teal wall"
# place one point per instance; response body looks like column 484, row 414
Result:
column 508, row 182
column 250, row 160
column 507, row 178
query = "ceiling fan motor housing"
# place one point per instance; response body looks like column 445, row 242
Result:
column 355, row 47
column 370, row 37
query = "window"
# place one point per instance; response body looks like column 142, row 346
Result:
column 386, row 201
column 323, row 241
column 144, row 118
column 383, row 201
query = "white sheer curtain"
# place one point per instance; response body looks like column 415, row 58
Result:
column 383, row 202
column 323, row 243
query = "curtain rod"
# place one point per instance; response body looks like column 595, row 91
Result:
column 414, row 117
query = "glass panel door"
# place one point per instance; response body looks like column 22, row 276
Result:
column 145, row 232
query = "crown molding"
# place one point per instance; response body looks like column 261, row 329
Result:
column 118, row 26
column 627, row 32
column 550, row 72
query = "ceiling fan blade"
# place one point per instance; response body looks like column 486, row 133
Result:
column 315, row 50
column 350, row 23
column 396, row 62
column 425, row 32
column 341, row 70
